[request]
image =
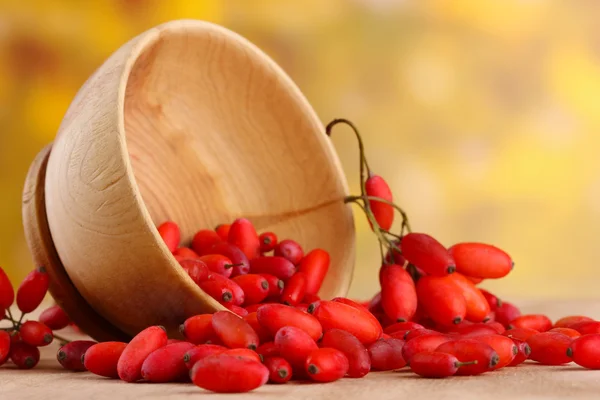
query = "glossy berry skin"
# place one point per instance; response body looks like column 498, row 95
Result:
column 472, row 330
column 218, row 291
column 467, row 350
column 277, row 266
column 238, row 293
column 549, row 348
column 244, row 353
column 572, row 333
column 71, row 355
column 263, row 334
column 32, row 290
column 505, row 347
column 521, row 334
column 196, row 269
column 4, row 346
column 493, row 301
column 359, row 322
column 170, row 234
column 240, row 311
column 102, row 358
column 415, row 333
column 255, row 287
column 359, row 362
column 349, row 302
column 268, row 241
column 314, row 266
column 223, row 231
column 138, row 349
column 235, row 255
column 204, row 241
column 280, row 371
column 294, row 290
column 273, row 317
column 402, row 326
column 421, row 344
column 478, row 308
column 268, row 349
column 434, row 364
column 276, row 286
column 290, row 250
column 36, row 334
column 506, row 313
column 243, row 235
column 326, row 365
column 566, row 322
column 497, row 326
column 234, row 331
column 185, row 253
column 523, row 352
column 218, row 263
column 441, row 299
column 481, row 260
column 198, row 329
column 7, row 293
column 398, row 293
column 427, row 253
column 539, row 322
column 386, row 354
column 223, row 373
column 54, row 318
column 167, row 364
column 376, row 186
column 23, row 355
column 295, row 346
column 587, row 327
column 585, row 351
column 191, row 357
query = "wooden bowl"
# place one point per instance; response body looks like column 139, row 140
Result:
column 192, row 123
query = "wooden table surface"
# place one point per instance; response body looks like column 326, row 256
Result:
column 528, row 382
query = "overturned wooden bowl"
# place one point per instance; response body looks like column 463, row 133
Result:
column 186, row 122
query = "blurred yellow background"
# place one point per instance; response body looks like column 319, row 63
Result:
column 483, row 115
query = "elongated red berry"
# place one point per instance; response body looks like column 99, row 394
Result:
column 240, row 311
column 359, row 322
column 415, row 333
column 478, row 308
column 234, row 331
column 506, row 313
column 4, row 346
column 54, row 318
column 422, row 343
column 493, row 301
column 280, row 371
column 7, row 293
column 102, row 358
column 349, row 302
column 32, row 290
column 228, row 284
column 505, row 347
column 268, row 241
column 572, row 333
column 243, row 235
column 359, row 362
column 268, row 349
column 218, row 263
column 255, row 287
column 166, row 364
column 223, row 231
column 539, row 322
column 398, row 293
column 194, row 354
column 522, row 354
column 71, row 355
column 295, row 345
column 141, row 346
column 204, row 241
column 497, row 326
column 314, row 266
column 198, row 329
column 467, row 350
column 434, row 364
column 290, row 250
column 276, row 286
column 23, row 355
column 386, row 354
column 549, row 348
column 170, row 233
column 196, row 269
column 481, row 260
column 521, row 334
column 263, row 334
column 36, row 334
column 586, row 327
column 218, row 291
column 566, row 322
column 278, row 266
column 441, row 299
column 326, row 365
column 185, row 253
column 376, row 186
column 241, row 264
column 402, row 326
column 273, row 317
column 223, row 373
column 294, row 290
column 244, row 353
column 427, row 253
column 585, row 351
column 472, row 330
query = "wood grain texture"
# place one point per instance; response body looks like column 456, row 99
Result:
column 527, row 382
column 188, row 122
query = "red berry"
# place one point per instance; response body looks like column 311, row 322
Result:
column 549, row 348
column 71, row 355
column 276, row 286
column 441, row 299
column 505, row 347
column 196, row 269
column 255, row 287
column 185, row 253
column 218, row 291
column 427, row 253
column 218, row 263
column 36, row 334
column 572, row 333
column 223, row 373
column 294, row 290
column 326, row 365
column 204, row 241
column 32, row 290
column 295, row 346
column 102, row 358
column 54, row 318
column 415, row 333
column 280, row 371
column 273, row 317
column 402, row 326
column 506, row 312
column 263, row 334
column 376, row 186
column 398, row 293
column 268, row 349
column 375, row 303
column 229, row 285
column 566, row 322
column 481, row 260
column 386, row 354
column 234, row 331
column 268, row 241
column 223, row 231
column 467, row 350
column 278, row 266
column 521, row 334
column 25, row 356
column 478, row 308
column 359, row 322
column 241, row 264
column 586, row 327
column 290, row 250
column 243, row 235
column 4, row 346
column 421, row 344
column 201, row 351
column 244, row 353
column 7, row 293
column 434, row 364
column 169, row 232
column 539, row 322
column 139, row 348
column 359, row 362
column 585, row 351
column 240, row 311
column 394, row 256
column 472, row 330
column 166, row 364
column 522, row 354
column 497, row 326
column 347, row 301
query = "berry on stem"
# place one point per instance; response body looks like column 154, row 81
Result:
column 32, row 290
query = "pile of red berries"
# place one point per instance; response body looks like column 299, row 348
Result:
column 430, row 315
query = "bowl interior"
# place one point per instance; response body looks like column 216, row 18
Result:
column 216, row 131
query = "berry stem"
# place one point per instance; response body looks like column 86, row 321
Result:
column 60, row 338
column 460, row 363
column 405, row 223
